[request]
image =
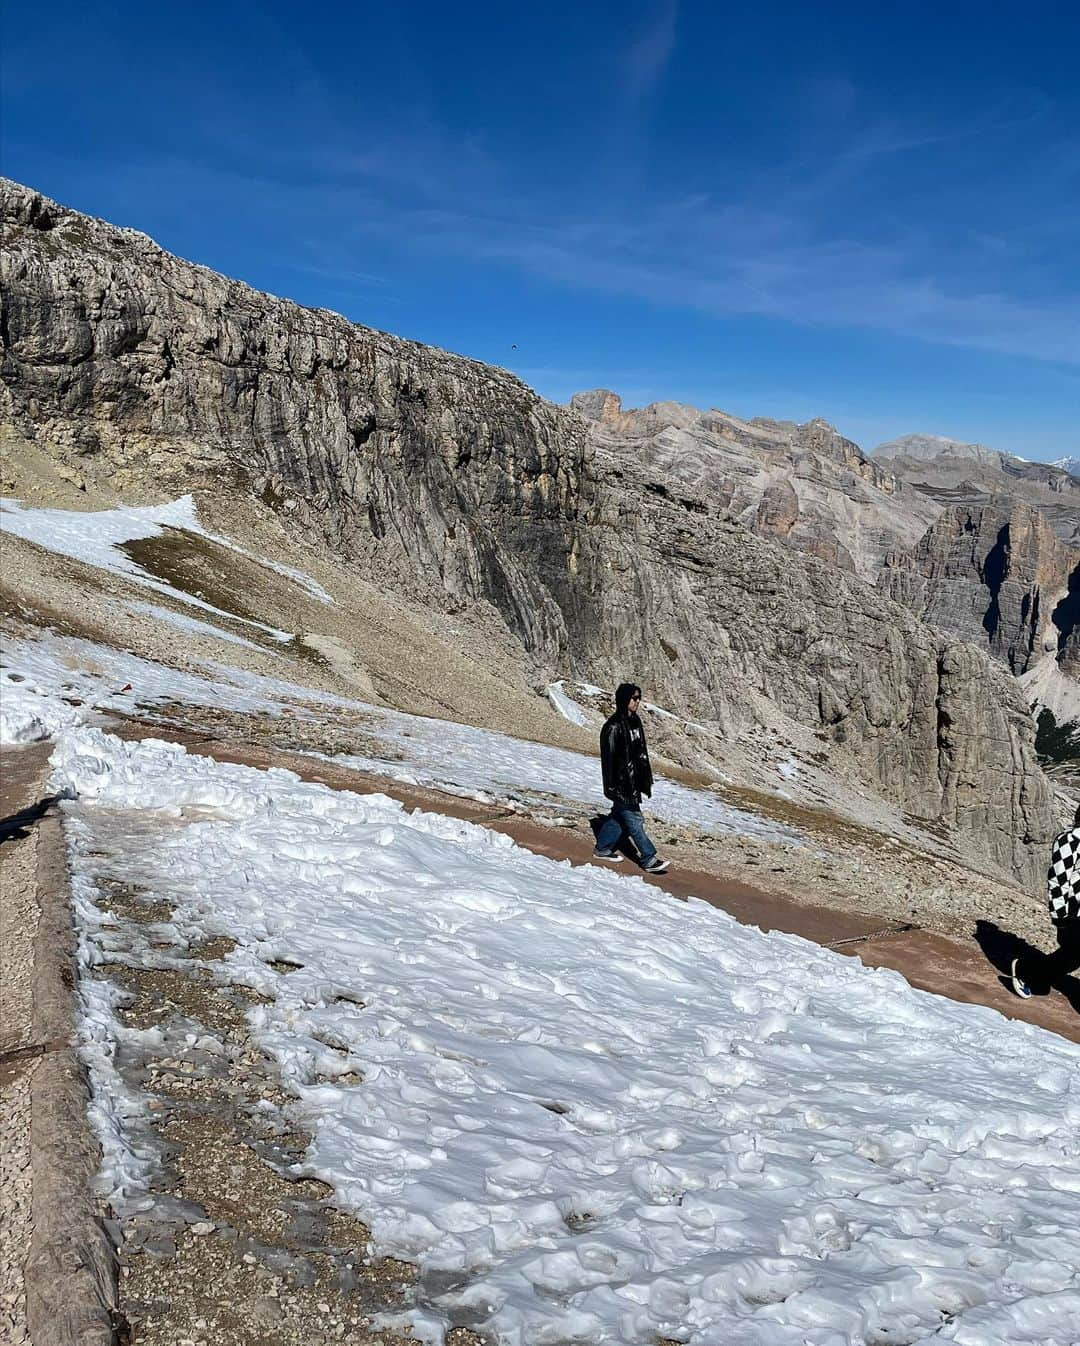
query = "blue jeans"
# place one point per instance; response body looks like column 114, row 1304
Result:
column 625, row 820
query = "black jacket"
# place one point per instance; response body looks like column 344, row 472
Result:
column 625, row 758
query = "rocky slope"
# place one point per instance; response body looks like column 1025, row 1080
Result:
column 453, row 483
column 1000, row 567
column 805, row 486
column 996, row 576
column 953, row 473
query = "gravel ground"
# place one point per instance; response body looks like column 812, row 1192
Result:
column 18, row 925
column 230, row 1246
column 15, row 1225
column 22, row 774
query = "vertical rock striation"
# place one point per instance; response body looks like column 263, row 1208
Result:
column 995, row 575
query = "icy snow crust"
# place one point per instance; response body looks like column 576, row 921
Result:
column 594, row 1115
column 486, row 765
column 30, row 712
column 456, row 758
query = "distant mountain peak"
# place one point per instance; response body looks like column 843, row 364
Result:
column 922, row 448
column 606, row 407
column 952, row 472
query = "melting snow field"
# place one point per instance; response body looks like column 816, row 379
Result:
column 486, row 765
column 40, row 676
column 48, row 681
column 96, row 537
column 591, row 1114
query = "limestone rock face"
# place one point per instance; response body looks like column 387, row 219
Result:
column 452, row 481
column 953, row 473
column 995, row 575
column 804, row 485
column 936, row 449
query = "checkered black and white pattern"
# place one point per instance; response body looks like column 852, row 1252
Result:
column 1063, row 877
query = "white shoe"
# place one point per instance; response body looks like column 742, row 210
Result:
column 1019, row 986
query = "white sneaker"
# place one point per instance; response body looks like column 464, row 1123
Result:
column 1020, row 987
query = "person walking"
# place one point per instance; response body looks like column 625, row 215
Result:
column 1038, row 972
column 624, row 759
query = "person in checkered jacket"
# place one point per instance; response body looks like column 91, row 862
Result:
column 1039, row 972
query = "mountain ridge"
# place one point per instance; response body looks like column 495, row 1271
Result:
column 804, row 486
column 453, row 483
column 951, row 472
column 920, row 446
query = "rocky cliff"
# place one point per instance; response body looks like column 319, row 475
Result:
column 951, row 472
column 450, row 479
column 998, row 576
column 805, row 486
column 995, row 575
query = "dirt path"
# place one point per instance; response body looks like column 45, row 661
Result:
column 21, row 784
column 967, row 970
column 57, row 1260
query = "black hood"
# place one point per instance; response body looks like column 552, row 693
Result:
column 623, row 693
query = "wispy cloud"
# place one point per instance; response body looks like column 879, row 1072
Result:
column 344, row 274
column 807, row 242
column 752, row 258
column 648, row 54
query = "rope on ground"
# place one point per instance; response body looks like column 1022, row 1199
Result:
column 874, row 934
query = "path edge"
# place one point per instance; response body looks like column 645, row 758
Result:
column 71, row 1269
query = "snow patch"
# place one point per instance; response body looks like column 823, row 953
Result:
column 591, row 1114
column 41, row 673
column 95, row 537
column 192, row 624
column 567, row 708
column 458, row 759
column 313, row 587
column 483, row 764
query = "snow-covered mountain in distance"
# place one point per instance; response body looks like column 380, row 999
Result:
column 1069, row 465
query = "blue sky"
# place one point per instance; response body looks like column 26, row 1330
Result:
column 868, row 213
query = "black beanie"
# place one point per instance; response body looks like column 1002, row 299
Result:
column 623, row 693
